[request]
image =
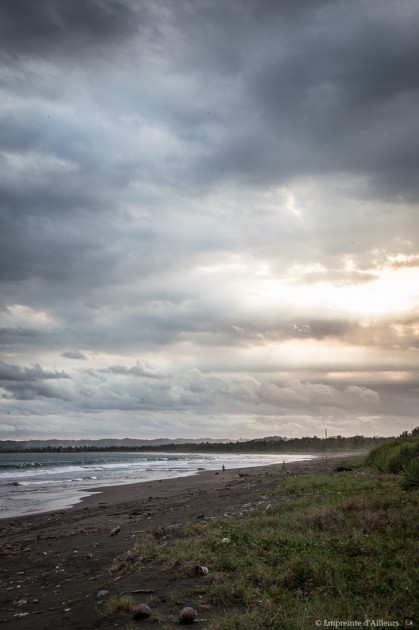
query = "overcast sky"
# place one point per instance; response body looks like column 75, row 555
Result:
column 208, row 218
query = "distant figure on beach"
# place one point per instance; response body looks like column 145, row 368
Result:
column 283, row 464
column 223, row 468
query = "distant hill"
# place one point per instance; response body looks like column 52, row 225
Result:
column 17, row 445
column 271, row 438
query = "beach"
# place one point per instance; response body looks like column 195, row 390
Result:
column 32, row 482
column 55, row 565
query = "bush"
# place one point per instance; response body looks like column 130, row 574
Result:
column 394, row 456
column 406, row 455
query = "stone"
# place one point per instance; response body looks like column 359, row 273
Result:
column 187, row 615
column 140, row 611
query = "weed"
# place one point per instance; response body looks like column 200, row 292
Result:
column 152, row 600
column 197, row 590
column 123, row 602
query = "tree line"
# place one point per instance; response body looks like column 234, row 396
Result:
column 261, row 445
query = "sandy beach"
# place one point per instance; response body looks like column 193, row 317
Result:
column 53, row 565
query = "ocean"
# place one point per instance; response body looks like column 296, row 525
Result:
column 39, row 482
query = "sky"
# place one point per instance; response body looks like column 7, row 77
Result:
column 208, row 218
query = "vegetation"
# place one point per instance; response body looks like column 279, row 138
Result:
column 333, row 546
column 269, row 444
column 118, row 603
column 394, row 456
column 410, row 474
column 398, row 456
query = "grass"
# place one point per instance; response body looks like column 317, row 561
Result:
column 329, row 546
column 114, row 604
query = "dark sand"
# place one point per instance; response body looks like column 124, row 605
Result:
column 54, row 564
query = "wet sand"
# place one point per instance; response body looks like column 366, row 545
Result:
column 54, row 564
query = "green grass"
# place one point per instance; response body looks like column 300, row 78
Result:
column 329, row 546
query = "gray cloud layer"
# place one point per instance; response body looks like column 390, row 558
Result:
column 178, row 186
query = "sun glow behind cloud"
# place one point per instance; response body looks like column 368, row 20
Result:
column 392, row 291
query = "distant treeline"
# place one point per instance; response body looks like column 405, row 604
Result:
column 276, row 445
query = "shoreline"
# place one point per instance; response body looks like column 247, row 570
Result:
column 54, row 564
column 56, row 497
column 204, row 479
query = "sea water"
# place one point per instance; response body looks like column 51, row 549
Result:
column 40, row 482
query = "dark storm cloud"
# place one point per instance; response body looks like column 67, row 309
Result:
column 332, row 91
column 78, row 356
column 324, row 87
column 33, row 28
column 28, row 383
column 16, row 336
column 33, row 391
column 28, row 374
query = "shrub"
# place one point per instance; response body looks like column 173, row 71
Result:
column 410, row 474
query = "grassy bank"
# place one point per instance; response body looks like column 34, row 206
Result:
column 335, row 546
column 399, row 456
